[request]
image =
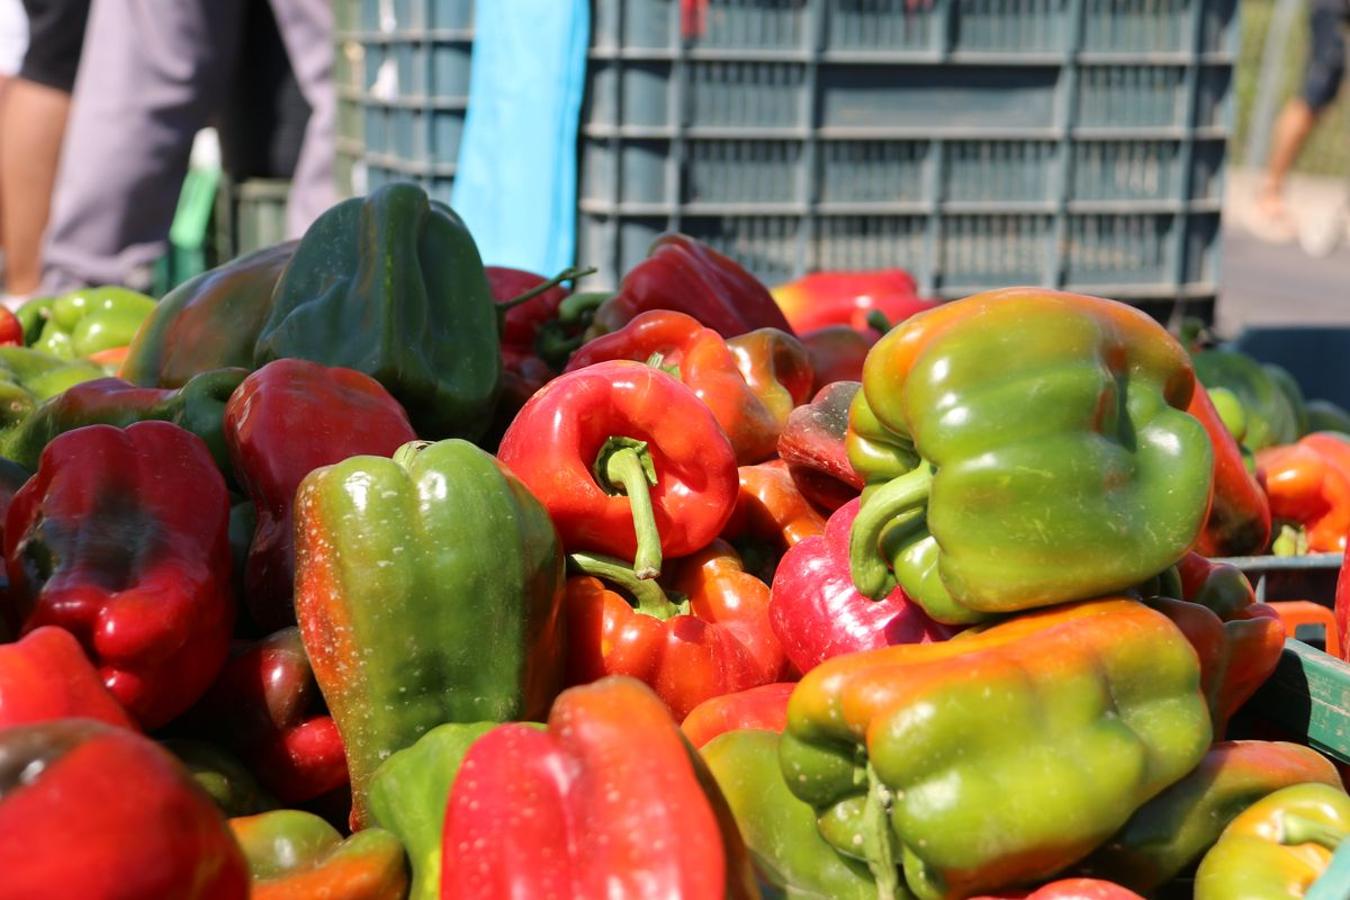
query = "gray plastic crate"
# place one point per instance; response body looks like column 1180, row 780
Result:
column 979, row 143
column 403, row 87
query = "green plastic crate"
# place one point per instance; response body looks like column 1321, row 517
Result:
column 1308, row 697
column 250, row 215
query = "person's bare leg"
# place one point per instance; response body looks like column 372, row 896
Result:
column 1295, row 123
column 32, row 124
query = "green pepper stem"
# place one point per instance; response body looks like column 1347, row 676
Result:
column 877, row 319
column 877, row 845
column 624, row 466
column 900, row 501
column 404, row 455
column 1301, row 830
column 577, row 306
column 569, row 274
column 651, row 599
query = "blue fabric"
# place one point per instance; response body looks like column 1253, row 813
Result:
column 516, row 182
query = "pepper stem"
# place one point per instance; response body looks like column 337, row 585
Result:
column 624, row 466
column 901, row 500
column 403, row 456
column 877, row 319
column 569, row 274
column 651, row 599
column 1301, row 830
column 877, row 845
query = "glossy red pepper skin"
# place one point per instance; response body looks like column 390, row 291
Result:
column 812, row 445
column 709, row 367
column 121, row 538
column 46, row 675
column 1239, row 516
column 817, row 613
column 267, row 709
column 837, row 353
column 1342, row 608
column 103, row 813
column 1069, row 889
column 822, row 299
column 11, row 329
column 1309, row 484
column 554, row 441
column 610, row 801
column 521, row 324
column 771, row 517
column 688, row 276
column 284, row 421
column 762, row 708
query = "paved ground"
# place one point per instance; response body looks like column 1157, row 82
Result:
column 1269, row 284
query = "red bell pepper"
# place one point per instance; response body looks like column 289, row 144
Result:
column 1309, row 484
column 627, row 461
column 688, row 276
column 716, row 641
column 610, row 801
column 11, row 329
column 284, row 421
column 817, row 613
column 750, row 388
column 47, row 676
column 1342, row 607
column 267, row 709
column 1239, row 517
column 120, row 538
column 102, row 813
column 523, row 372
column 849, row 298
column 837, row 353
column 762, row 708
column 1069, row 889
column 813, row 446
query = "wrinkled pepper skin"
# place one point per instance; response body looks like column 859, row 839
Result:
column 562, row 440
column 286, row 420
column 817, row 613
column 409, row 791
column 814, row 446
column 688, row 276
column 1055, row 457
column 610, row 801
column 822, row 299
column 294, row 855
column 198, row 406
column 762, row 708
column 779, row 829
column 266, row 707
column 94, row 812
column 120, row 538
column 89, row 320
column 46, row 675
column 1309, row 484
column 718, row 642
column 209, row 322
column 1277, row 847
column 429, row 589
column 1239, row 516
column 751, row 414
column 391, row 285
column 1271, row 418
column 1091, row 708
column 1175, row 828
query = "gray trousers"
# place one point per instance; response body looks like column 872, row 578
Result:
column 151, row 74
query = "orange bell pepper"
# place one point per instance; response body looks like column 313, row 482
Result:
column 1309, row 483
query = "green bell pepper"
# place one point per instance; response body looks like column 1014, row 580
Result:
column 780, row 830
column 1055, row 457
column 1267, row 393
column 293, row 855
column 428, row 589
column 1001, row 756
column 1323, row 415
column 198, row 406
column 224, row 777
column 408, row 793
column 209, row 322
column 88, row 320
column 29, row 376
column 392, row 285
column 1176, row 827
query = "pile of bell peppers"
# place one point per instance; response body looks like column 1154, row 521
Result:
column 371, row 573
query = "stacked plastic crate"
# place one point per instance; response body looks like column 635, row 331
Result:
column 1071, row 143
column 402, row 71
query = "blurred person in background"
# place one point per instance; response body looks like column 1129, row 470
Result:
column 1321, row 82
column 154, row 73
column 13, row 45
column 33, row 119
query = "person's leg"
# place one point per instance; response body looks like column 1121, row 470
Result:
column 306, row 28
column 32, row 124
column 151, row 75
column 1325, row 69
